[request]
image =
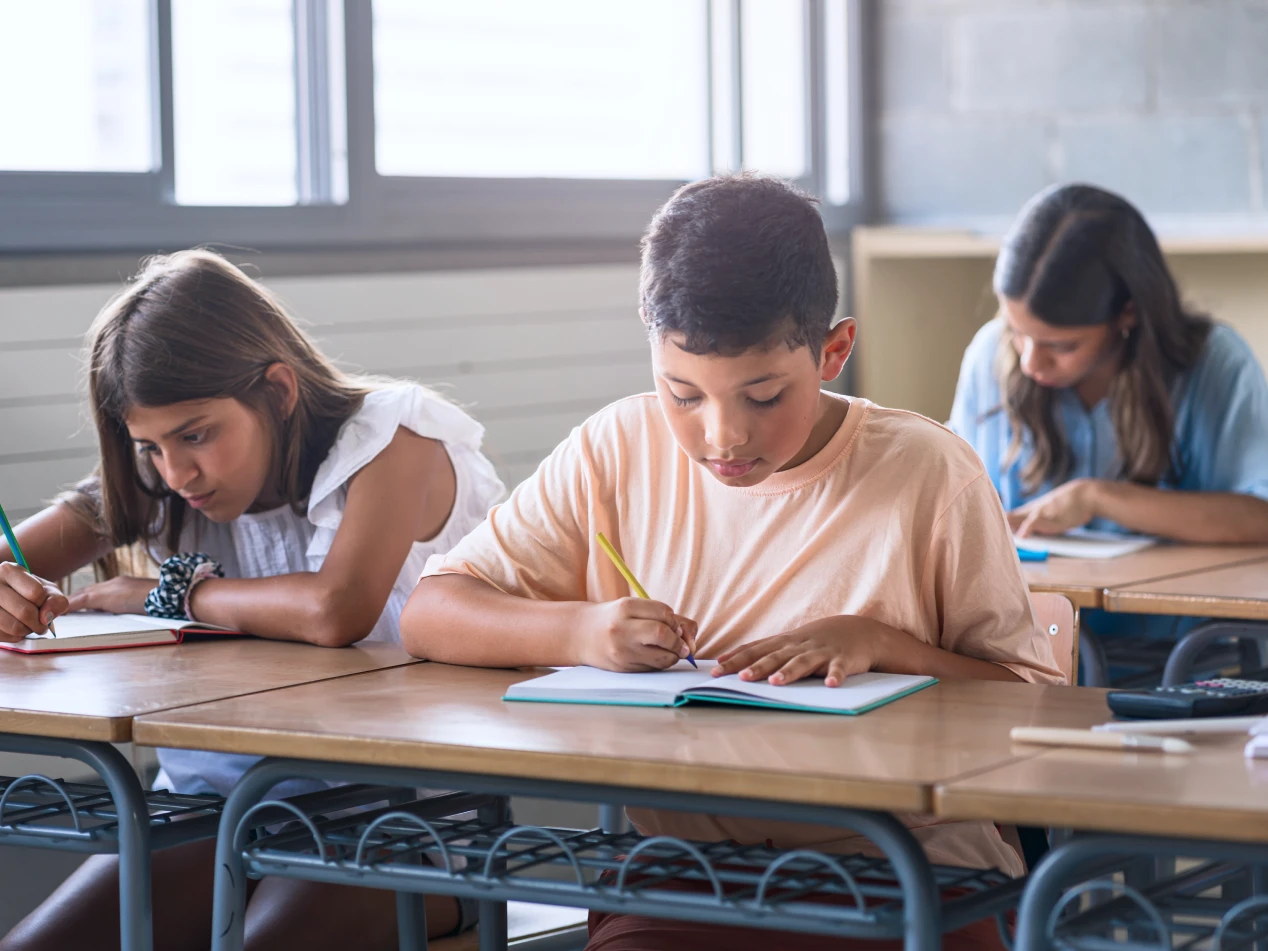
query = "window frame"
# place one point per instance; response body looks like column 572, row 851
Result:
column 63, row 212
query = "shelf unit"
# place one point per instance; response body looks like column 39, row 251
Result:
column 920, row 294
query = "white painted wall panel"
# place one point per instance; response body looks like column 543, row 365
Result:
column 530, row 352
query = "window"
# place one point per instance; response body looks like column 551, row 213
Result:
column 161, row 123
column 773, row 86
column 549, row 89
column 75, row 92
column 234, row 93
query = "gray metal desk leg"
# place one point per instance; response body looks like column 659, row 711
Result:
column 411, row 907
column 1092, row 659
column 1259, row 886
column 1183, row 656
column 411, row 921
column 1044, row 890
column 922, row 902
column 493, row 935
column 136, row 931
column 229, row 904
column 612, row 818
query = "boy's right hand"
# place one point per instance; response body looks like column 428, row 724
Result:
column 27, row 603
column 634, row 634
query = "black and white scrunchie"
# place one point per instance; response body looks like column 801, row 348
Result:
column 177, row 577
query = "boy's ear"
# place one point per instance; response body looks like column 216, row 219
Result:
column 283, row 380
column 642, row 315
column 837, row 346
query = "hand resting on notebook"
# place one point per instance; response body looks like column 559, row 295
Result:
column 121, row 595
column 834, row 648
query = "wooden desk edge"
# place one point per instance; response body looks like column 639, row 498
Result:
column 1080, row 596
column 913, row 797
column 952, row 803
column 67, row 726
column 1186, row 605
column 106, row 728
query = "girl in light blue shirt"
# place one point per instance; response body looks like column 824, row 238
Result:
column 1097, row 398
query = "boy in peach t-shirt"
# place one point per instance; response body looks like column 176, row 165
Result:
column 785, row 531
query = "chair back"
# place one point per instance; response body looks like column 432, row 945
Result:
column 1059, row 621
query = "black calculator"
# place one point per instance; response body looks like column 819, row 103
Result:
column 1222, row 697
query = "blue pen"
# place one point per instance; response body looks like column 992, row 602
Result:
column 16, row 549
column 1026, row 554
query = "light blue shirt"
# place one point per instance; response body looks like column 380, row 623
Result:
column 1220, row 443
column 1221, row 428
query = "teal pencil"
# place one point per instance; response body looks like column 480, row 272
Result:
column 14, row 547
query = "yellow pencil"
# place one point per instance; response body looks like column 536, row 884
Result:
column 628, row 575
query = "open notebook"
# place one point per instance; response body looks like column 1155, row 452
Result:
column 93, row 630
column 682, row 684
column 1085, row 543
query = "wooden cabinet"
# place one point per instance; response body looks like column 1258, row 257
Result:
column 921, row 294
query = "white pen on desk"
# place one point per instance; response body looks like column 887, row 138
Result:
column 1191, row 726
column 1053, row 736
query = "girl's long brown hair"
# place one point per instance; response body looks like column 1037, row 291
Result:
column 1077, row 257
column 192, row 326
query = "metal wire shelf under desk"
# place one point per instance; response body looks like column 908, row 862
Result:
column 40, row 811
column 405, row 848
column 1211, row 905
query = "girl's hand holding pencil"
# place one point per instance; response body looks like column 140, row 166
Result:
column 28, row 604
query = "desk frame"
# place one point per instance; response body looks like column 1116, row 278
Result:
column 131, row 837
column 1086, row 861
column 120, row 817
column 922, row 913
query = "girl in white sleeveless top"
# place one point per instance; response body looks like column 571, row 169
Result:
column 232, row 451
column 279, row 541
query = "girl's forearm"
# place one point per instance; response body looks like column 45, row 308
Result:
column 457, row 619
column 1196, row 517
column 304, row 606
column 57, row 543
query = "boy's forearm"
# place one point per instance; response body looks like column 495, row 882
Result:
column 456, row 619
column 904, row 654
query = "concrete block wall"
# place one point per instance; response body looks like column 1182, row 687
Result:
column 983, row 102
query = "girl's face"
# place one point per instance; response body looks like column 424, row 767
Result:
column 217, row 454
column 1061, row 357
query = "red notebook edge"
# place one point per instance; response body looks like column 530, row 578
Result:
column 179, row 639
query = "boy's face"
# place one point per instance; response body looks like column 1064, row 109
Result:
column 745, row 417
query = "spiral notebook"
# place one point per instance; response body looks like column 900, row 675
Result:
column 683, row 684
column 94, row 630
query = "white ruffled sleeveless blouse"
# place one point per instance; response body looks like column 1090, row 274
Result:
column 279, row 542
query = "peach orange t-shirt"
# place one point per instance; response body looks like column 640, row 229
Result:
column 893, row 519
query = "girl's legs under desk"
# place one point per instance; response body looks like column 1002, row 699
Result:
column 281, row 914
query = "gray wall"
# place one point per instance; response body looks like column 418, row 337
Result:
column 983, row 102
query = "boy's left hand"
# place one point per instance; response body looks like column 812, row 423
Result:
column 122, row 595
column 833, row 648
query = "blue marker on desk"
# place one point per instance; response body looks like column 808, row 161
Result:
column 1029, row 554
